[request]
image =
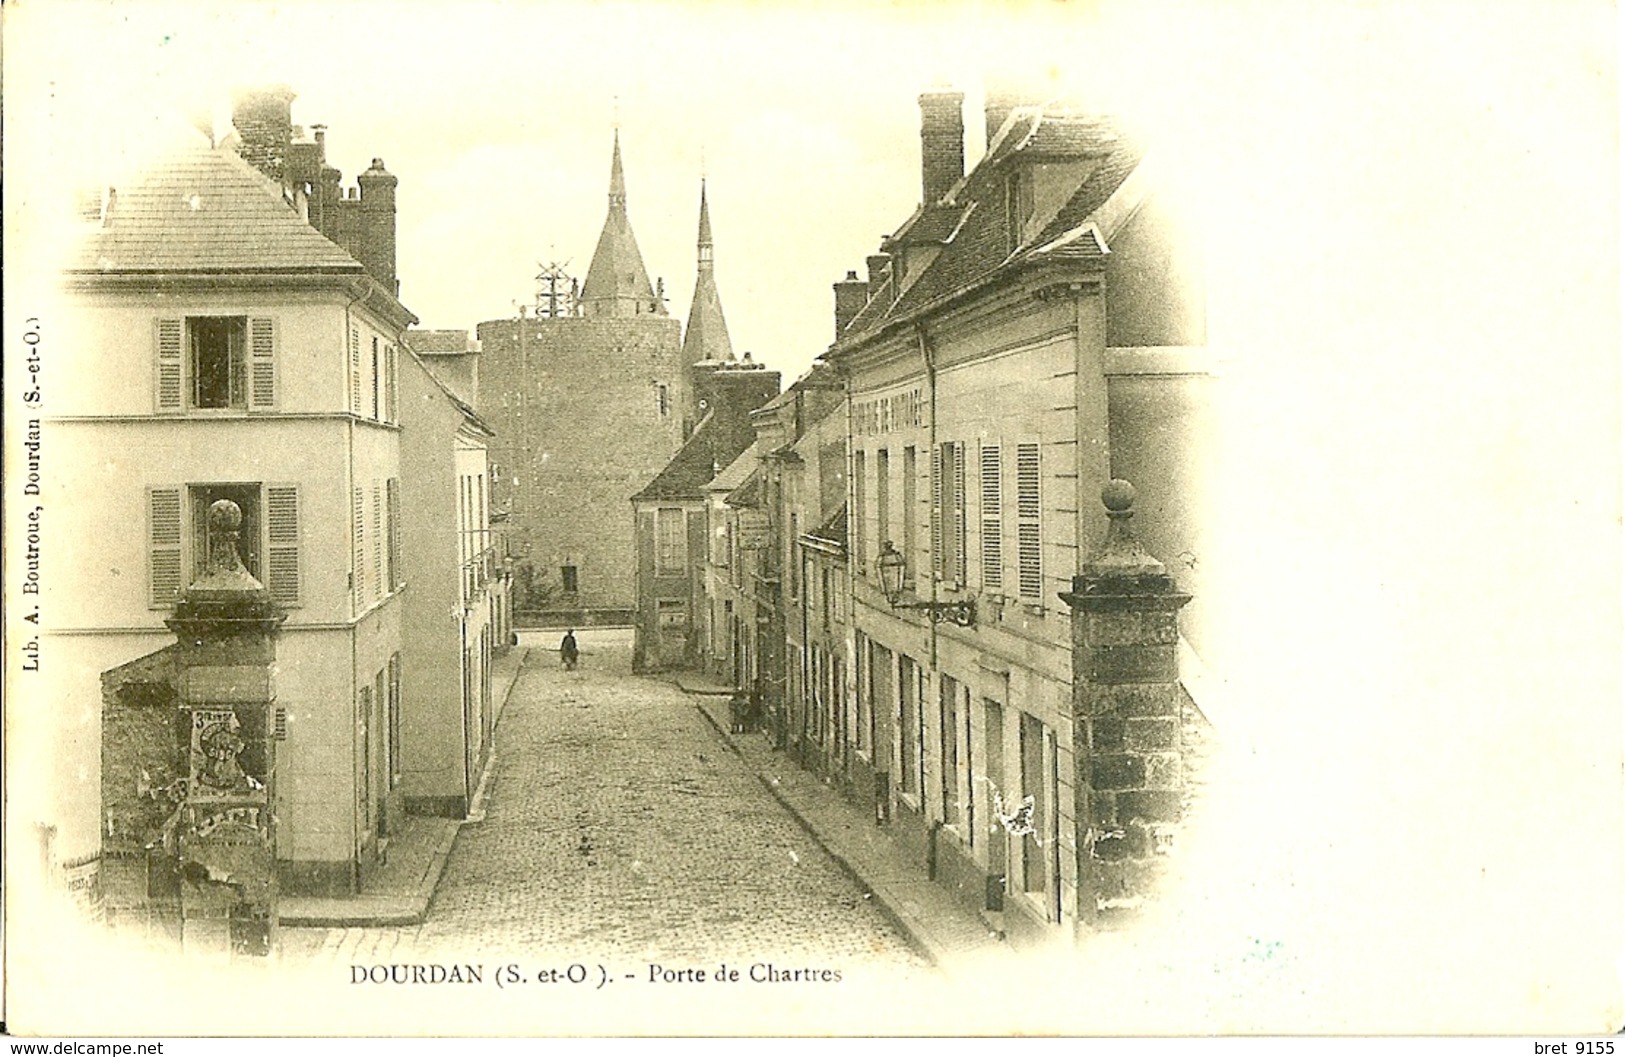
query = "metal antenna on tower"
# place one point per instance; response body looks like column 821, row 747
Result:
column 555, row 291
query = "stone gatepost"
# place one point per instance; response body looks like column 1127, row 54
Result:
column 1126, row 709
column 224, row 833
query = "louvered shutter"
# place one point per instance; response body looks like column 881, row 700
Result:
column 282, row 543
column 937, row 565
column 359, row 559
column 171, row 365
column 393, row 495
column 958, row 570
column 163, row 546
column 992, row 518
column 391, row 393
column 380, row 585
column 261, row 364
column 1029, row 542
column 355, row 370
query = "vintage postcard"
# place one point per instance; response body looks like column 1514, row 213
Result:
column 756, row 519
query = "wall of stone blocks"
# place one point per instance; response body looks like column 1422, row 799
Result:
column 576, row 408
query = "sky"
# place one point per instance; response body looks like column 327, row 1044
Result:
column 497, row 119
column 1411, row 225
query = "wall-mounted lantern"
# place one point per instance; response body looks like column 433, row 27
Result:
column 891, row 565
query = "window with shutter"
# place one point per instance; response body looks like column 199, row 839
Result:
column 860, row 518
column 381, row 586
column 1029, row 541
column 391, row 383
column 396, row 577
column 959, row 544
column 262, row 364
column 359, row 559
column 937, row 565
column 171, row 361
column 377, row 381
column 282, row 543
column 355, row 369
column 163, row 546
column 992, row 518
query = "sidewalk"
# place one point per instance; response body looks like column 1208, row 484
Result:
column 398, row 891
column 936, row 923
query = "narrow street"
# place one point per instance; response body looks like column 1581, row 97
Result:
column 618, row 825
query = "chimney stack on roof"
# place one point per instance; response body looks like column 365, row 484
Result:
column 1000, row 103
column 377, row 246
column 942, row 142
column 851, row 294
column 263, row 118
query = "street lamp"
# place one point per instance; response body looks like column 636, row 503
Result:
column 891, row 565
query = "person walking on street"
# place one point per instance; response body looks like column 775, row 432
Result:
column 568, row 652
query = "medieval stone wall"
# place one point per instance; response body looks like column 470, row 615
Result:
column 586, row 413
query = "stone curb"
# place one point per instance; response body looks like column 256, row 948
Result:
column 914, row 930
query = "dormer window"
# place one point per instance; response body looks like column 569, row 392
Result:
column 1018, row 206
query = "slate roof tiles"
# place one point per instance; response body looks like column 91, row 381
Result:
column 206, row 211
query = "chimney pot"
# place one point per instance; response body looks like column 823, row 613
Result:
column 851, row 294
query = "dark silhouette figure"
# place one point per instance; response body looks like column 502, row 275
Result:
column 739, row 711
column 568, row 652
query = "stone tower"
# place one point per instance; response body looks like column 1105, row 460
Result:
column 587, row 408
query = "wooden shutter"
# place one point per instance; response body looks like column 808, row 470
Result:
column 992, row 518
column 391, row 383
column 171, row 365
column 355, row 369
column 261, row 364
column 958, row 454
column 380, row 584
column 164, row 536
column 358, row 562
column 393, row 495
column 282, row 543
column 937, row 564
column 1029, row 541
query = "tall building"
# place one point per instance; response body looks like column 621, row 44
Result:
column 1032, row 331
column 587, row 408
column 223, row 348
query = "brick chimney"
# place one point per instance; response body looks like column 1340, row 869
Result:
column 263, row 118
column 1000, row 102
column 942, row 142
column 851, row 294
column 377, row 248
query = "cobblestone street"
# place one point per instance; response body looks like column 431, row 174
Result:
column 619, row 827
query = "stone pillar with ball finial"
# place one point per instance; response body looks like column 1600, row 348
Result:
column 1127, row 702
column 223, row 838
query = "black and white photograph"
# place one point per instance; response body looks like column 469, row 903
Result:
column 564, row 519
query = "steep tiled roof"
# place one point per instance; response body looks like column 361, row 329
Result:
column 833, row 530
column 617, row 283
column 734, row 474
column 206, row 211
column 749, row 491
column 971, row 227
column 438, row 342
column 714, row 444
column 706, row 336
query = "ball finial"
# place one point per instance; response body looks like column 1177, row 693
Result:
column 225, row 516
column 1118, row 495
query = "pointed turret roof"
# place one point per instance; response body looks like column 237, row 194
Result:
column 617, row 283
column 706, row 338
